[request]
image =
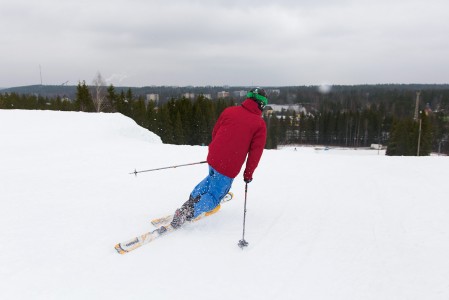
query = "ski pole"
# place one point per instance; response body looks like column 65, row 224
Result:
column 242, row 243
column 171, row 167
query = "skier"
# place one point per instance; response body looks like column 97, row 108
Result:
column 239, row 134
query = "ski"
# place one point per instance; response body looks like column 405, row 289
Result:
column 168, row 218
column 162, row 230
column 143, row 239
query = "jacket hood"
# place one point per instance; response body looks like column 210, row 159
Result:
column 252, row 106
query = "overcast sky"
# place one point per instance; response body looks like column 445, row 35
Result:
column 224, row 42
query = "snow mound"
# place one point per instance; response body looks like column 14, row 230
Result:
column 72, row 126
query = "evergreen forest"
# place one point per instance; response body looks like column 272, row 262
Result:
column 347, row 116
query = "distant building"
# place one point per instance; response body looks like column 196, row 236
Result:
column 376, row 146
column 207, row 96
column 152, row 97
column 298, row 108
column 239, row 94
column 273, row 92
column 427, row 109
column 189, row 96
column 223, row 94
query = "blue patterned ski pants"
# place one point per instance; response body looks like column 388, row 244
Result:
column 211, row 190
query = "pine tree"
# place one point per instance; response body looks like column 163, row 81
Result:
column 185, row 109
column 123, row 104
column 272, row 124
column 152, row 117
column 426, row 136
column 178, row 130
column 197, row 125
column 111, row 98
column 165, row 127
column 139, row 112
column 405, row 135
column 83, row 99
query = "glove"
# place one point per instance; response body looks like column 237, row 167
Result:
column 247, row 180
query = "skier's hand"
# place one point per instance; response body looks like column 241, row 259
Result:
column 247, row 180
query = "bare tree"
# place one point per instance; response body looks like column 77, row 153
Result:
column 99, row 94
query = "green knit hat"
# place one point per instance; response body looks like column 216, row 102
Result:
column 259, row 95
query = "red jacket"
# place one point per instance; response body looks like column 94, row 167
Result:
column 239, row 131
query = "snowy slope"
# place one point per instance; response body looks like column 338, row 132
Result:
column 336, row 224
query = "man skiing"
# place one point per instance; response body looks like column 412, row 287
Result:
column 239, row 134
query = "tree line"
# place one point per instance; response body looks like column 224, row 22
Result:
column 348, row 118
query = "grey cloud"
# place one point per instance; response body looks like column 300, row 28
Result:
column 209, row 42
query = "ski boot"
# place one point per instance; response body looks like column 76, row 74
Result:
column 185, row 213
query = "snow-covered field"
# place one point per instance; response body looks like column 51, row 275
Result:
column 336, row 224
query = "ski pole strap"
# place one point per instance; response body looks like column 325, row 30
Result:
column 170, row 167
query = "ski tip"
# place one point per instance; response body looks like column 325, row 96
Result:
column 119, row 249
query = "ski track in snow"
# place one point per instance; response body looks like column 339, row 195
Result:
column 335, row 224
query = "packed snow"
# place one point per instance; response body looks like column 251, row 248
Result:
column 321, row 224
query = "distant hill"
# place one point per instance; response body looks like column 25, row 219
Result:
column 284, row 94
column 165, row 92
column 50, row 91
